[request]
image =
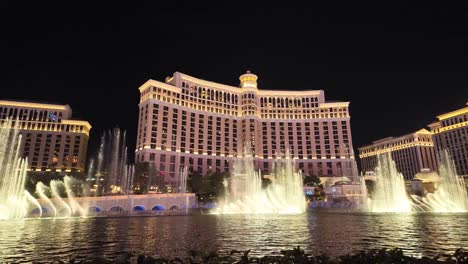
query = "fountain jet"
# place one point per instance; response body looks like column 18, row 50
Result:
column 450, row 195
column 12, row 172
column 40, row 190
column 55, row 187
column 246, row 195
column 390, row 193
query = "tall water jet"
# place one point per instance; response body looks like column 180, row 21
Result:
column 390, row 193
column 364, row 198
column 450, row 195
column 41, row 192
column 183, row 186
column 12, row 172
column 127, row 179
column 245, row 194
column 115, row 159
column 183, row 180
column 90, row 175
column 112, row 172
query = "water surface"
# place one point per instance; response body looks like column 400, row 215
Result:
column 316, row 232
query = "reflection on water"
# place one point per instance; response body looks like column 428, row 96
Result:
column 316, row 232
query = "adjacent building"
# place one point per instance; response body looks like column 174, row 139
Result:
column 51, row 140
column 411, row 153
column 450, row 132
column 186, row 121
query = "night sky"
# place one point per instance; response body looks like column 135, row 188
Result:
column 398, row 64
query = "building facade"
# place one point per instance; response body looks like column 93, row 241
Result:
column 51, row 140
column 411, row 153
column 186, row 121
column 451, row 132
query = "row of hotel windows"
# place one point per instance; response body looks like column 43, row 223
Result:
column 50, row 146
column 202, row 96
column 458, row 140
column 405, row 159
column 228, row 101
column 211, row 94
column 454, row 136
column 194, row 116
column 213, row 107
column 373, row 148
column 277, row 113
column 202, row 93
column 455, row 120
column 30, row 114
column 168, row 163
column 308, row 150
column 32, row 125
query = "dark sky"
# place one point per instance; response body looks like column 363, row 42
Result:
column 398, row 64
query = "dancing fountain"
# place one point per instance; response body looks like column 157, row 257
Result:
column 12, row 172
column 62, row 201
column 112, row 173
column 63, row 198
column 390, row 194
column 183, row 186
column 245, row 194
column 450, row 195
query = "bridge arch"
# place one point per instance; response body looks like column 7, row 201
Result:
column 138, row 208
column 116, row 208
column 158, row 207
column 94, row 209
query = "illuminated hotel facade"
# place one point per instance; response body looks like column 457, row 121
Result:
column 411, row 153
column 186, row 121
column 51, row 140
column 451, row 132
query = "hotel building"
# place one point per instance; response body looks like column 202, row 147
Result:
column 186, row 121
column 411, row 153
column 451, row 132
column 50, row 139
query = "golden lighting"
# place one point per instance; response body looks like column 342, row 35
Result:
column 446, row 128
column 395, row 148
column 35, row 105
column 453, row 114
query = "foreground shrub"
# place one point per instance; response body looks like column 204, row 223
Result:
column 293, row 256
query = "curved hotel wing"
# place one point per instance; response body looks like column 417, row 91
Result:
column 203, row 125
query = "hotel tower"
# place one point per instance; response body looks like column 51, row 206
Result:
column 419, row 150
column 450, row 133
column 186, row 121
column 411, row 153
column 51, row 140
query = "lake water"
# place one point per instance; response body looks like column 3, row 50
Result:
column 316, row 232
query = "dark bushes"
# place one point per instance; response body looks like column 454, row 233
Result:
column 296, row 255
